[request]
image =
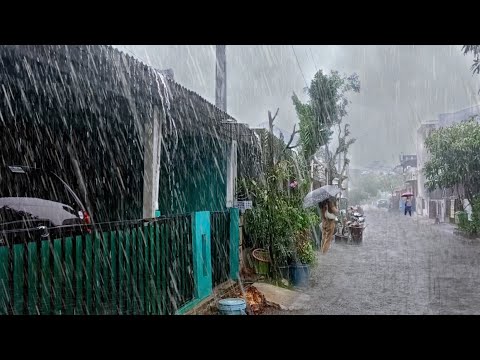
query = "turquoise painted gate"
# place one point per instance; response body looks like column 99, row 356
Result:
column 220, row 238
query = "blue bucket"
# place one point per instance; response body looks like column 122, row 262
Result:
column 232, row 306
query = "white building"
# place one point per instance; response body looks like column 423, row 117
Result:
column 438, row 198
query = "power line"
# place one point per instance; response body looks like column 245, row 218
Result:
column 298, row 63
column 313, row 60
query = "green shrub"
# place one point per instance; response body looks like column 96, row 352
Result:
column 304, row 251
column 277, row 216
column 471, row 226
column 463, row 222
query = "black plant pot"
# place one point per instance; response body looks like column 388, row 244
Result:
column 299, row 274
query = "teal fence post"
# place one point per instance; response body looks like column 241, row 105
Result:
column 234, row 243
column 202, row 262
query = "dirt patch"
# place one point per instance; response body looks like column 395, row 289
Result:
column 256, row 302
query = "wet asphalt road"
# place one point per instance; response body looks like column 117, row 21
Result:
column 404, row 266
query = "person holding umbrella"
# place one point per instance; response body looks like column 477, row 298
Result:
column 324, row 199
column 329, row 218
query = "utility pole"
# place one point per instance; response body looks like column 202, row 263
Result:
column 221, row 103
column 221, row 78
column 270, row 137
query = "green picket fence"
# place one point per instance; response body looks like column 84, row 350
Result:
column 220, row 240
column 132, row 267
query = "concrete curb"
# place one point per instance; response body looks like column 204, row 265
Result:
column 208, row 306
column 283, row 299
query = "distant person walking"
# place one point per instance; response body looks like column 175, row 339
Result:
column 408, row 206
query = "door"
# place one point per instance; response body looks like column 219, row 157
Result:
column 442, row 211
column 432, row 209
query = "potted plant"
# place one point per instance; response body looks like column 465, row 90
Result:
column 304, row 258
column 278, row 218
column 270, row 225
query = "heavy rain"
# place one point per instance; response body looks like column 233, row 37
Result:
column 239, row 180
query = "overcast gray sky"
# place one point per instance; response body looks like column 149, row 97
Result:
column 400, row 85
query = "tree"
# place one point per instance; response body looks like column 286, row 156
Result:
column 369, row 185
column 386, row 183
column 326, row 107
column 344, row 144
column 455, row 158
column 358, row 196
column 314, row 132
column 273, row 148
column 475, row 50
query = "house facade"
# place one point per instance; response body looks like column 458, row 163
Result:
column 127, row 138
column 439, row 204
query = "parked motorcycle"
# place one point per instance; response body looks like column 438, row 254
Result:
column 359, row 218
column 355, row 216
column 351, row 224
column 356, row 224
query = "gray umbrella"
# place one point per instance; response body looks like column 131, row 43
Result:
column 321, row 194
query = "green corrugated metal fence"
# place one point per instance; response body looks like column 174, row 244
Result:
column 121, row 268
